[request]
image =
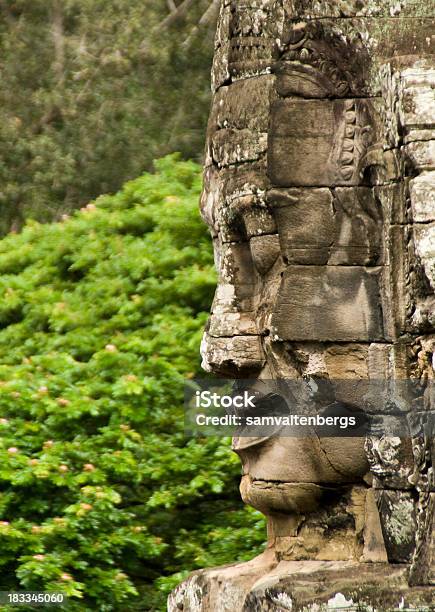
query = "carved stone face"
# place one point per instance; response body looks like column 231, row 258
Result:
column 298, row 247
column 314, row 191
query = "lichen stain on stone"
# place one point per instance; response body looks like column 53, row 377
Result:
column 398, row 524
column 283, row 600
column 319, row 195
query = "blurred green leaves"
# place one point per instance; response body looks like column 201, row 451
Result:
column 101, row 315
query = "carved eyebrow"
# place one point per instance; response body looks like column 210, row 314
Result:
column 281, row 196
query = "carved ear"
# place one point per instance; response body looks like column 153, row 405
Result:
column 378, row 165
column 373, row 157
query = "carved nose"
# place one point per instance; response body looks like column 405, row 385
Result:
column 231, row 345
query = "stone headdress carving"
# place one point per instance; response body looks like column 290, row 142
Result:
column 319, row 193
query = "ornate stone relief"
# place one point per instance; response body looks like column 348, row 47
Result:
column 319, row 183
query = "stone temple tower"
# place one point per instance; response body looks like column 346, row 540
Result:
column 319, row 186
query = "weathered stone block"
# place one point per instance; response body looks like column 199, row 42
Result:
column 229, row 146
column 391, row 389
column 333, row 532
column 236, row 289
column 424, row 241
column 211, row 198
column 390, row 201
column 358, row 223
column 396, row 287
column 232, row 324
column 254, row 18
column 255, row 216
column 347, row 368
column 327, row 587
column 322, row 586
column 223, row 25
column 413, row 135
column 220, row 73
column 224, row 355
column 222, row 589
column 356, row 8
column 244, row 180
column 298, row 214
column 233, row 202
column 422, row 191
column 243, row 105
column 244, row 217
column 418, row 106
column 350, row 225
column 422, row 570
column 316, row 142
column 328, row 303
column 390, row 456
column 245, row 43
column 347, row 362
column 389, row 362
column 374, row 546
column 420, row 155
column 417, row 109
column 251, row 56
column 419, row 75
column 422, row 427
column 397, row 510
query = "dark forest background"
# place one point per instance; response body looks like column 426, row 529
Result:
column 91, row 92
column 103, row 302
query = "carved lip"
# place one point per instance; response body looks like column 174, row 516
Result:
column 240, row 443
column 280, row 496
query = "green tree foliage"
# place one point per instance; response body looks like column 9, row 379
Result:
column 92, row 91
column 101, row 495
